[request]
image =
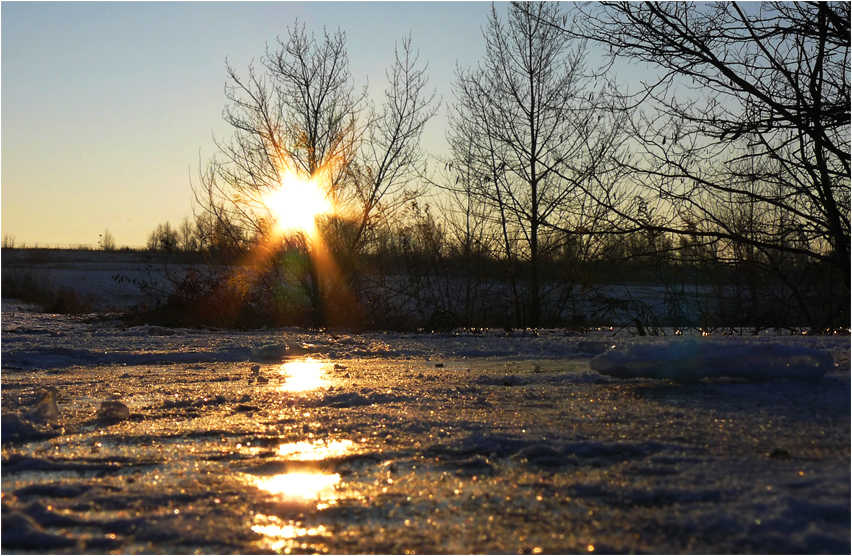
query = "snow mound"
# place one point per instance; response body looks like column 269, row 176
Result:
column 270, row 353
column 36, row 424
column 23, row 428
column 689, row 360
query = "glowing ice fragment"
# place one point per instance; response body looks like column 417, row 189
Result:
column 111, row 409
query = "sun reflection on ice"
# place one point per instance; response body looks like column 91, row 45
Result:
column 300, row 485
column 308, row 374
column 291, row 531
column 315, row 451
column 306, row 483
column 284, row 537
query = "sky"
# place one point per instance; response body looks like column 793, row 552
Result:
column 109, row 108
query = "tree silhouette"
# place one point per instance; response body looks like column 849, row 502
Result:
column 301, row 112
column 741, row 137
column 108, row 241
column 526, row 138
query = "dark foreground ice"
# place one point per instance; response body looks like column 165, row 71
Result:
column 147, row 440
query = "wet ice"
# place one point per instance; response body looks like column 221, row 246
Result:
column 514, row 444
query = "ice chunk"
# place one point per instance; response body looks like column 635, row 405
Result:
column 111, row 409
column 46, row 409
column 540, row 454
column 690, row 359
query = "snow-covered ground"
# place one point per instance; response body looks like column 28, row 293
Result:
column 104, row 276
column 107, row 278
column 155, row 440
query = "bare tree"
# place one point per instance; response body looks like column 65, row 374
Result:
column 298, row 113
column 163, row 238
column 187, row 235
column 525, row 137
column 301, row 112
column 741, row 137
column 108, row 241
column 386, row 169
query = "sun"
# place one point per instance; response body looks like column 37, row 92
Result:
column 296, row 204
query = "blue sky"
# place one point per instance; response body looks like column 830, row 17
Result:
column 107, row 108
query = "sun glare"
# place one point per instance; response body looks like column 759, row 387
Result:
column 304, row 485
column 301, row 376
column 297, row 203
column 288, row 536
column 315, row 451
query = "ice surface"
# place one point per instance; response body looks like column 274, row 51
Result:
column 691, row 359
column 363, row 443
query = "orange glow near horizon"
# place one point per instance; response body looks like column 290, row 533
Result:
column 296, row 205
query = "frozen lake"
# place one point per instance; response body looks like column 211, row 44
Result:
column 292, row 442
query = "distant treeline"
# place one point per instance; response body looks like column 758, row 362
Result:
column 106, row 242
column 12, row 244
column 419, row 277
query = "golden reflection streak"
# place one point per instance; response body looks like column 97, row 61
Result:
column 284, row 536
column 305, row 375
column 288, row 531
column 307, row 451
column 300, row 485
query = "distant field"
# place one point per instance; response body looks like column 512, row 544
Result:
column 91, row 273
column 71, row 258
